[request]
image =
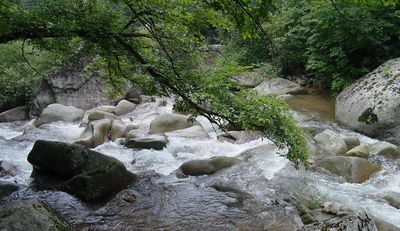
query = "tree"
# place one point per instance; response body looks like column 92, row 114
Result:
column 163, row 40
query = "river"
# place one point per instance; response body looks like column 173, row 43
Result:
column 266, row 176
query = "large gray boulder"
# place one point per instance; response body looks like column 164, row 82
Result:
column 208, row 166
column 15, row 114
column 85, row 173
column 33, row 215
column 371, row 105
column 352, row 169
column 58, row 112
column 278, row 86
column 170, row 122
column 71, row 85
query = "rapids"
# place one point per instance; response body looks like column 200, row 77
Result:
column 266, row 176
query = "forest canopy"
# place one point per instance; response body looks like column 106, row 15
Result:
column 164, row 44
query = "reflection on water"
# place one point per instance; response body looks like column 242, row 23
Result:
column 323, row 105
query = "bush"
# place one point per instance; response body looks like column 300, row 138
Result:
column 339, row 42
column 17, row 79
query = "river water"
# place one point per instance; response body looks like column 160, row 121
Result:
column 266, row 174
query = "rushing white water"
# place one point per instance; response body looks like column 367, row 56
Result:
column 16, row 145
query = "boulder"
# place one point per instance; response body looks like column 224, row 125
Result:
column 156, row 142
column 32, row 214
column 208, row 166
column 58, row 112
column 351, row 141
column 72, row 85
column 371, row 104
column 337, row 217
column 393, row 199
column 359, row 151
column 386, row 149
column 194, row 132
column 331, row 141
column 85, row 173
column 107, row 110
column 240, row 137
column 95, row 133
column 352, row 169
column 134, row 93
column 278, row 86
column 124, row 107
column 384, row 226
column 6, row 188
column 170, row 122
column 15, row 114
column 118, row 129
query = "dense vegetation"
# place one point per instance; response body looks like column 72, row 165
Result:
column 163, row 45
column 335, row 42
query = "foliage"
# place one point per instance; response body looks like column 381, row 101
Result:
column 164, row 40
column 17, row 79
column 336, row 40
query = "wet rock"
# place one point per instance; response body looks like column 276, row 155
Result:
column 87, row 174
column 134, row 93
column 359, row 151
column 384, row 226
column 240, row 137
column 351, row 141
column 118, row 129
column 156, row 142
column 279, row 86
column 340, row 218
column 31, row 215
column 170, row 122
column 208, row 166
column 6, row 188
column 393, row 199
column 95, row 134
column 101, row 112
column 331, row 141
column 99, row 182
column 371, row 104
column 124, row 107
column 71, row 85
column 8, row 169
column 352, row 169
column 15, row 114
column 59, row 112
column 194, row 132
column 386, row 149
column 161, row 204
column 132, row 134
